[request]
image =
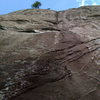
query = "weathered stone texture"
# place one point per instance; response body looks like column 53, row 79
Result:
column 49, row 55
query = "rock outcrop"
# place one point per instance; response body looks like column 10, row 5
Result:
column 49, row 55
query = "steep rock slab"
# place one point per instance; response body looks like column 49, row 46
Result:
column 48, row 55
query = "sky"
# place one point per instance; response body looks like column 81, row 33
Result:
column 7, row 6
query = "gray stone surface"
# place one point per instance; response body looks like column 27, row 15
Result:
column 49, row 55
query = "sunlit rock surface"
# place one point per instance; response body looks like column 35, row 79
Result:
column 49, row 55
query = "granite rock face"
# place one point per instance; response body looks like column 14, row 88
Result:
column 49, row 55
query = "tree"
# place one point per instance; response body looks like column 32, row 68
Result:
column 37, row 4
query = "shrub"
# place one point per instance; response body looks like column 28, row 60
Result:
column 37, row 4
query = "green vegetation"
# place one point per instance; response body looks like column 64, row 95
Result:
column 37, row 4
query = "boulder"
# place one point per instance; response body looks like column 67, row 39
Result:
column 50, row 55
